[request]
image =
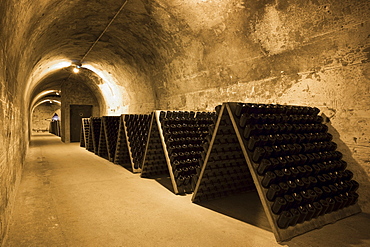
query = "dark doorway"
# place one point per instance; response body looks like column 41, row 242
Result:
column 77, row 112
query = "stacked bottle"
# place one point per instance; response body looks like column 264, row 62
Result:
column 95, row 126
column 301, row 170
column 121, row 155
column 155, row 160
column 111, row 125
column 184, row 133
column 226, row 172
column 137, row 133
column 103, row 148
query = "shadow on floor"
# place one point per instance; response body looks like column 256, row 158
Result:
column 245, row 207
column 350, row 231
column 165, row 181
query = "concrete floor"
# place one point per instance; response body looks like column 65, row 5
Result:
column 71, row 197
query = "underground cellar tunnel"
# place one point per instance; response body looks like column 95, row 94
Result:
column 136, row 57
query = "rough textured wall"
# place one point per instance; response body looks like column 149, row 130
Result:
column 42, row 115
column 12, row 148
column 73, row 95
column 12, row 130
column 288, row 52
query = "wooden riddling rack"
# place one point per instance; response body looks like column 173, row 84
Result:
column 120, row 139
column 226, row 170
column 287, row 155
column 94, row 134
column 110, row 126
column 121, row 154
column 99, row 135
column 108, row 137
column 103, row 148
column 136, row 129
column 175, row 146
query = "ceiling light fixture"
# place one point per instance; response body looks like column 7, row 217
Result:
column 76, row 67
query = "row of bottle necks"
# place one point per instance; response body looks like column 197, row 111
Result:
column 170, row 117
column 185, row 114
column 299, row 173
column 184, row 129
column 252, row 108
column 187, row 122
column 136, row 118
column 270, row 161
column 312, row 186
column 137, row 128
column 291, row 216
column 251, row 119
column 285, row 139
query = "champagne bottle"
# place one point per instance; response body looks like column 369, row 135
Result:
column 303, row 214
column 295, row 213
column 268, row 179
column 284, row 219
column 311, row 210
column 279, row 205
column 273, row 192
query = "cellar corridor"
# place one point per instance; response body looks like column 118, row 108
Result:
column 71, row 197
column 114, row 64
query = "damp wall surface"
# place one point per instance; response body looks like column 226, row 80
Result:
column 13, row 132
column 314, row 53
column 12, row 147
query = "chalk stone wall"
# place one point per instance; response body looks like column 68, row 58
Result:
column 42, row 115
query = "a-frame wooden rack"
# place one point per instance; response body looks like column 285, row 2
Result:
column 154, row 161
column 94, row 134
column 175, row 145
column 137, row 129
column 85, row 127
column 108, row 137
column 103, row 147
column 132, row 137
column 122, row 154
column 302, row 190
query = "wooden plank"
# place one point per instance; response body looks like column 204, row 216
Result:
column 86, row 129
column 204, row 167
column 102, row 149
column 129, row 135
column 154, row 161
column 121, row 154
column 90, row 143
column 94, row 133
column 161, row 136
column 111, row 126
column 82, row 139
